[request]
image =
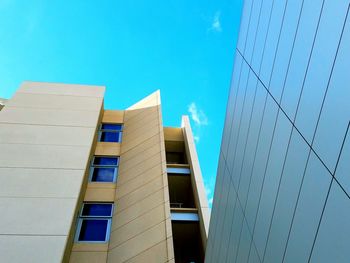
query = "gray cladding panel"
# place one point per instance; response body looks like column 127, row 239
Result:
column 286, row 148
column 332, row 243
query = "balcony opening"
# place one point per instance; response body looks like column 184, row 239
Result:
column 187, row 242
column 180, row 191
column 175, row 146
column 176, row 158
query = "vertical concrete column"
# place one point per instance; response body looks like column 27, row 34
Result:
column 197, row 180
column 141, row 227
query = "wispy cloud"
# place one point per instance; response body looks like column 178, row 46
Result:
column 199, row 118
column 210, row 202
column 197, row 115
column 216, row 24
column 209, row 195
column 207, row 190
column 196, row 138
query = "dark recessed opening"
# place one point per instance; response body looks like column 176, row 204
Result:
column 187, row 242
column 175, row 152
column 176, row 158
column 180, row 191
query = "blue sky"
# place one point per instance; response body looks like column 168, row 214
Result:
column 184, row 48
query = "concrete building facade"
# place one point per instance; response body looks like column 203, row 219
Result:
column 282, row 189
column 79, row 183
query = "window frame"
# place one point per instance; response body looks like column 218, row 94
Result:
column 179, row 170
column 98, row 203
column 82, row 218
column 184, row 216
column 93, row 166
column 120, row 132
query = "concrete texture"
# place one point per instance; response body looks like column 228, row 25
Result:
column 197, row 180
column 140, row 229
column 46, row 134
column 18, row 248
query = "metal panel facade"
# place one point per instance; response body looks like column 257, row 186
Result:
column 282, row 190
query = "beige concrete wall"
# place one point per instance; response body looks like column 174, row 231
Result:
column 113, row 116
column 89, row 253
column 173, row 134
column 197, row 180
column 141, row 227
column 107, row 148
column 46, row 134
column 98, row 192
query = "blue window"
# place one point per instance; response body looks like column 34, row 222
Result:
column 104, row 169
column 110, row 132
column 97, row 209
column 178, row 216
column 178, row 170
column 93, row 230
column 94, row 222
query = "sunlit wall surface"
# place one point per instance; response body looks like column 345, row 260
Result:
column 283, row 184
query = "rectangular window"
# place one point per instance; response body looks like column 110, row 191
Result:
column 178, row 216
column 104, row 169
column 94, row 222
column 178, row 170
column 110, row 132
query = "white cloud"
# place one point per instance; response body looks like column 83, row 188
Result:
column 197, row 115
column 207, row 190
column 210, row 202
column 216, row 24
column 196, row 138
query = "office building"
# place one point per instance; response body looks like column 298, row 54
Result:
column 283, row 184
column 80, row 183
